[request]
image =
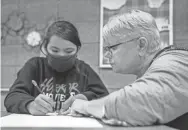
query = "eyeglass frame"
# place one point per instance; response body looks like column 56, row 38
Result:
column 109, row 48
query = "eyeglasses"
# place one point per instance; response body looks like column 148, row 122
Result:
column 109, row 49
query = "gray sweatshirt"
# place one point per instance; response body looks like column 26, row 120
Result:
column 159, row 96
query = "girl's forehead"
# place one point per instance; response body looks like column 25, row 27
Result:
column 60, row 42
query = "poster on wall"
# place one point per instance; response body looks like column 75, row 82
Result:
column 161, row 10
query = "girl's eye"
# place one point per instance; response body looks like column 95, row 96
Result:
column 69, row 50
column 53, row 50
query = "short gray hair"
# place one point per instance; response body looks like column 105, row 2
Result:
column 134, row 23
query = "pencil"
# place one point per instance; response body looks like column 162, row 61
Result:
column 56, row 103
column 38, row 88
column 35, row 84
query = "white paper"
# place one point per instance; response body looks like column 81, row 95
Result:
column 23, row 120
column 52, row 114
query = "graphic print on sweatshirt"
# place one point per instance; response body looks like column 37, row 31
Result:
column 59, row 92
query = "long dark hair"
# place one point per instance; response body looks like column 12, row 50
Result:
column 62, row 29
column 65, row 30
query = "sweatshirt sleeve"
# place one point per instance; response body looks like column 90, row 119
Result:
column 20, row 92
column 95, row 87
column 158, row 97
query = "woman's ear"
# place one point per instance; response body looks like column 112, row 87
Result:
column 142, row 46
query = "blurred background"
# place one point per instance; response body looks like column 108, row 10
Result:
column 21, row 20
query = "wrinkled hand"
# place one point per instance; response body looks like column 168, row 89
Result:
column 41, row 105
column 87, row 108
column 70, row 100
column 77, row 109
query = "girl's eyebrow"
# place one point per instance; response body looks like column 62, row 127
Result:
column 54, row 47
column 69, row 49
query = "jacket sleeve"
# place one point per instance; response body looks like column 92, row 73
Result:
column 158, row 97
column 20, row 92
column 94, row 86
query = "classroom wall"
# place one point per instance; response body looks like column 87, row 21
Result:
column 85, row 15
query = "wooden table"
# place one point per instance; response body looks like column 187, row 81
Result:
column 105, row 127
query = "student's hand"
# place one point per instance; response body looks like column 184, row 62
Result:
column 70, row 100
column 41, row 105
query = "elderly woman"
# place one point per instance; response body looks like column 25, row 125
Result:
column 160, row 92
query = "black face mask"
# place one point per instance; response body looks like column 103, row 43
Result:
column 63, row 63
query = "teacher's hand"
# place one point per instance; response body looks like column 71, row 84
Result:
column 68, row 103
column 78, row 108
